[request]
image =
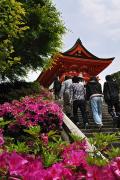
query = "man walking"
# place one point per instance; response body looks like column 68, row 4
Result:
column 94, row 95
column 56, row 87
column 65, row 94
column 77, row 94
column 111, row 96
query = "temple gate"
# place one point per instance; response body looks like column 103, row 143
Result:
column 76, row 61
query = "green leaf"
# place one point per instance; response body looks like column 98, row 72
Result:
column 20, row 147
column 33, row 130
column 76, row 138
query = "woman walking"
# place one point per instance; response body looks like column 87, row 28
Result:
column 77, row 95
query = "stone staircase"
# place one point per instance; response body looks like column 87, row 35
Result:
column 107, row 125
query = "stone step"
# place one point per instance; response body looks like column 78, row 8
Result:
column 90, row 114
column 94, row 126
column 91, row 123
column 88, row 134
column 102, row 130
column 107, row 125
column 91, row 120
column 104, row 116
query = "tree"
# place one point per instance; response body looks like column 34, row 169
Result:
column 36, row 37
column 12, row 25
column 116, row 76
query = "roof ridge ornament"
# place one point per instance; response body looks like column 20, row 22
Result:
column 79, row 41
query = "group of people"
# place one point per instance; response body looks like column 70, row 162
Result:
column 76, row 95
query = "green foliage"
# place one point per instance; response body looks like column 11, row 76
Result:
column 20, row 147
column 53, row 135
column 48, row 64
column 98, row 160
column 34, row 137
column 3, row 123
column 76, row 138
column 12, row 25
column 116, row 76
column 33, row 130
column 101, row 141
column 115, row 152
column 31, row 31
column 50, row 157
column 10, row 91
column 103, row 150
column 51, row 152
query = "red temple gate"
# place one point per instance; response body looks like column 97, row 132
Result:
column 76, row 61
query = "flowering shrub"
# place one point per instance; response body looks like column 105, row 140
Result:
column 73, row 165
column 37, row 152
column 31, row 111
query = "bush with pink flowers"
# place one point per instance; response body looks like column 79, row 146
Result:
column 32, row 111
column 72, row 165
column 31, row 147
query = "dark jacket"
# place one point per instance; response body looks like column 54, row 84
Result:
column 93, row 87
column 111, row 91
column 57, row 85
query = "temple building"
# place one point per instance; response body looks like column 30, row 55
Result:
column 75, row 61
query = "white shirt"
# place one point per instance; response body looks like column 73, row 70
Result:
column 65, row 87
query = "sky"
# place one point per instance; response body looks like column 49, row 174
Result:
column 97, row 24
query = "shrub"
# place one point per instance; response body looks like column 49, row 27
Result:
column 32, row 111
column 34, row 150
column 10, row 91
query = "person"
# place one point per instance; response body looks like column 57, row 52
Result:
column 95, row 96
column 65, row 94
column 80, row 80
column 56, row 87
column 77, row 96
column 111, row 97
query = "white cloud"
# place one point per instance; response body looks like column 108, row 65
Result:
column 114, row 33
column 32, row 75
column 101, row 11
column 103, row 15
column 93, row 9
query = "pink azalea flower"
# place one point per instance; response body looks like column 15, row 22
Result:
column 16, row 162
column 3, row 161
column 99, row 173
column 75, row 158
column 31, row 169
column 44, row 138
column 1, row 140
column 115, row 166
column 36, row 175
column 58, row 172
column 31, row 111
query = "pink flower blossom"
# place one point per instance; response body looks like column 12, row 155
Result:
column 16, row 162
column 58, row 172
column 115, row 166
column 44, row 138
column 99, row 173
column 3, row 161
column 1, row 140
column 31, row 111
